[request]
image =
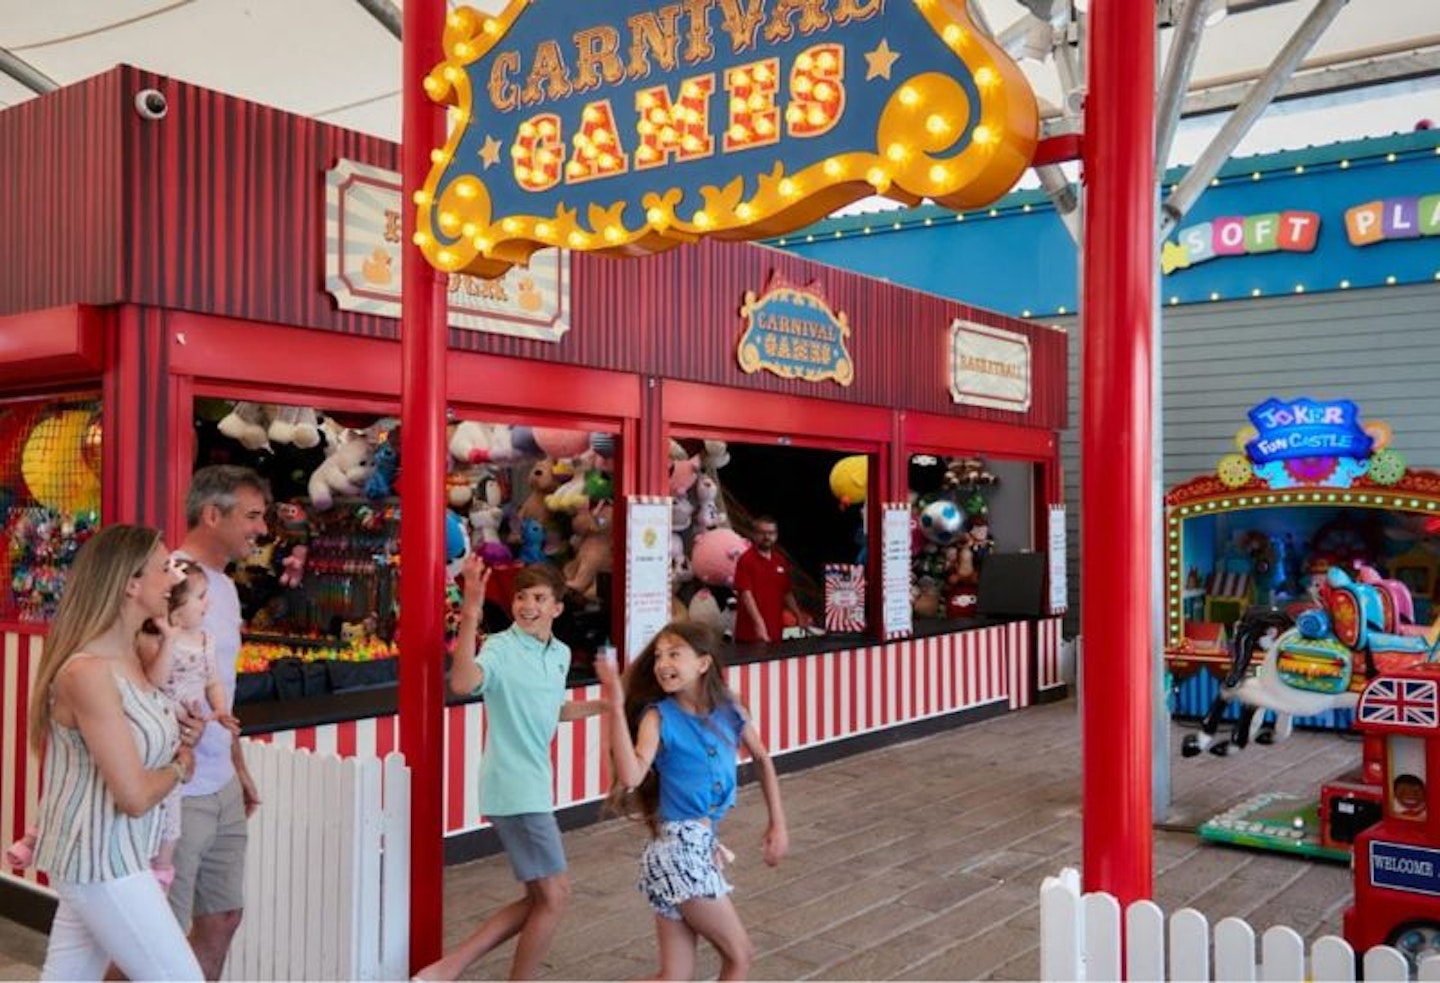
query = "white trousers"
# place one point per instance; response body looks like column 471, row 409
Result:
column 126, row 921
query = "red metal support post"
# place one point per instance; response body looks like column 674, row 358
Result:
column 423, row 338
column 1117, row 513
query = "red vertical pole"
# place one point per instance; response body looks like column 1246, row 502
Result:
column 1117, row 514
column 422, row 495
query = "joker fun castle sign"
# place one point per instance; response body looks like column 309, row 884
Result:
column 631, row 126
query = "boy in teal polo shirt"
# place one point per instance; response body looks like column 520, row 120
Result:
column 521, row 673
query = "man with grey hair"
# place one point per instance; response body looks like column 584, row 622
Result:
column 224, row 516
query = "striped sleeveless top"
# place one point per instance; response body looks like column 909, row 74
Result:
column 83, row 836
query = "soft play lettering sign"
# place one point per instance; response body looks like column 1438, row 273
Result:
column 633, row 125
column 1393, row 218
column 1306, row 428
column 1241, row 235
column 792, row 332
column 1402, row 867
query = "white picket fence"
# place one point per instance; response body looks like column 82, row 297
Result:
column 327, row 871
column 1080, row 940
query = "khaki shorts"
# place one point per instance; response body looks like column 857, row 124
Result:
column 210, row 855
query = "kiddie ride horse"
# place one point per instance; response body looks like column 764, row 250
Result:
column 1319, row 662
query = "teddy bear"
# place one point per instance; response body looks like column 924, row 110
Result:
column 711, row 511
column 297, row 425
column 248, row 423
column 592, row 550
column 344, row 471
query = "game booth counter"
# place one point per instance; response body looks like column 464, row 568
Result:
column 595, row 406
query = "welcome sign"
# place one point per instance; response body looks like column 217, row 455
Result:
column 631, row 126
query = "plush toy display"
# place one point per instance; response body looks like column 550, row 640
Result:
column 381, row 483
column 249, row 424
column 680, row 572
column 569, row 497
column 717, row 455
column 532, row 542
column 297, row 425
column 593, row 526
column 477, row 443
column 683, row 475
column 715, row 554
column 710, row 510
column 559, row 443
column 849, row 480
column 344, row 472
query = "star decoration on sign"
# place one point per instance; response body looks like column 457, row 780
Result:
column 880, row 61
column 1174, row 256
column 490, row 152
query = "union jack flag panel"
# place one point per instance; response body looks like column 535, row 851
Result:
column 1402, row 702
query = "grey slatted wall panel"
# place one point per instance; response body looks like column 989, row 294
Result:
column 1378, row 347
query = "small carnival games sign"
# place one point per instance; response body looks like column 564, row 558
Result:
column 792, row 332
column 630, row 126
column 989, row 367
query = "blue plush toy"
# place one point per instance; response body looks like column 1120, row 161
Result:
column 532, row 542
column 387, row 462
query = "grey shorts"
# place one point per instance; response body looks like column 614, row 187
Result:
column 681, row 864
column 210, row 855
column 532, row 842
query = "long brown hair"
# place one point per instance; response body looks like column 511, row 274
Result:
column 91, row 602
column 643, row 691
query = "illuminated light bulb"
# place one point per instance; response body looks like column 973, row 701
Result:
column 1254, row 291
column 421, row 197
column 490, row 25
column 590, row 153
column 433, row 86
column 984, row 135
column 703, row 219
column 575, row 168
column 647, row 100
column 986, row 76
column 437, row 156
column 655, row 216
column 994, row 212
column 577, row 240
column 659, row 117
column 764, row 127
column 762, row 73
column 691, row 143
column 668, row 134
column 1299, row 288
column 795, row 114
column 1299, row 168
column 1344, row 284
column 787, row 187
column 1214, row 295
column 816, row 116
column 805, row 62
column 580, row 139
column 451, row 74
column 547, row 128
column 518, row 152
column 742, row 79
column 449, row 220
column 1390, row 158
column 1390, row 281
column 802, row 85
column 877, row 177
column 527, row 129
column 546, row 158
column 483, row 244
column 690, row 91
column 522, row 173
column 645, row 128
column 591, row 115
column 737, row 133
column 603, row 138
column 468, row 230
column 738, row 106
column 420, row 239
column 1344, row 165
column 825, row 92
column 744, row 211
column 543, row 230
column 939, row 174
column 826, row 61
column 1174, row 301
column 607, row 161
column 953, row 35
column 510, row 225
column 612, row 233
column 453, row 20
column 645, row 153
column 896, row 152
column 1214, row 182
column 936, row 124
column 1254, row 175
column 831, row 167
column 462, row 50
column 908, row 95
column 445, row 257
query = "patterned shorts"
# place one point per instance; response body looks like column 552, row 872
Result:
column 680, row 865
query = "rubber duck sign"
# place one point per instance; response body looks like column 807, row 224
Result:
column 631, row 126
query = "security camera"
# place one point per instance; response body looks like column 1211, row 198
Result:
column 151, row 104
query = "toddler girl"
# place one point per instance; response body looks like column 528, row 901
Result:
column 675, row 730
column 179, row 658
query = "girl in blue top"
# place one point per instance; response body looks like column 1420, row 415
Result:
column 675, row 730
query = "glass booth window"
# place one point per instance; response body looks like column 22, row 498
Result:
column 50, row 451
column 323, row 586
column 814, row 501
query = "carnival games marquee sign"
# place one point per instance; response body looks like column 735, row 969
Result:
column 630, row 126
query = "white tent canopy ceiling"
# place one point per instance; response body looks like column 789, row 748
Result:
column 339, row 60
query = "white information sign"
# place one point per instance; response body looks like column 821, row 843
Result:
column 989, row 367
column 647, row 570
column 362, row 264
column 897, row 615
column 1059, row 585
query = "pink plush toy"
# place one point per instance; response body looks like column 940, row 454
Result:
column 714, row 555
column 683, row 474
column 292, row 570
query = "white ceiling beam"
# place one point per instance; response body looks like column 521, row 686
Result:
column 25, row 73
column 1179, row 64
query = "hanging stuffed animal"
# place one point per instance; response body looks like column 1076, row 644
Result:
column 592, row 551
column 248, row 423
column 345, row 471
column 710, row 510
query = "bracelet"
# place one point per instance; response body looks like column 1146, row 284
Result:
column 179, row 770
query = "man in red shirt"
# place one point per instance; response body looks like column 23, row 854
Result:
column 762, row 581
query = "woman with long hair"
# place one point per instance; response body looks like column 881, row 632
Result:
column 112, row 752
column 675, row 730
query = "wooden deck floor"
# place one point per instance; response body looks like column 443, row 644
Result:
column 918, row 861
